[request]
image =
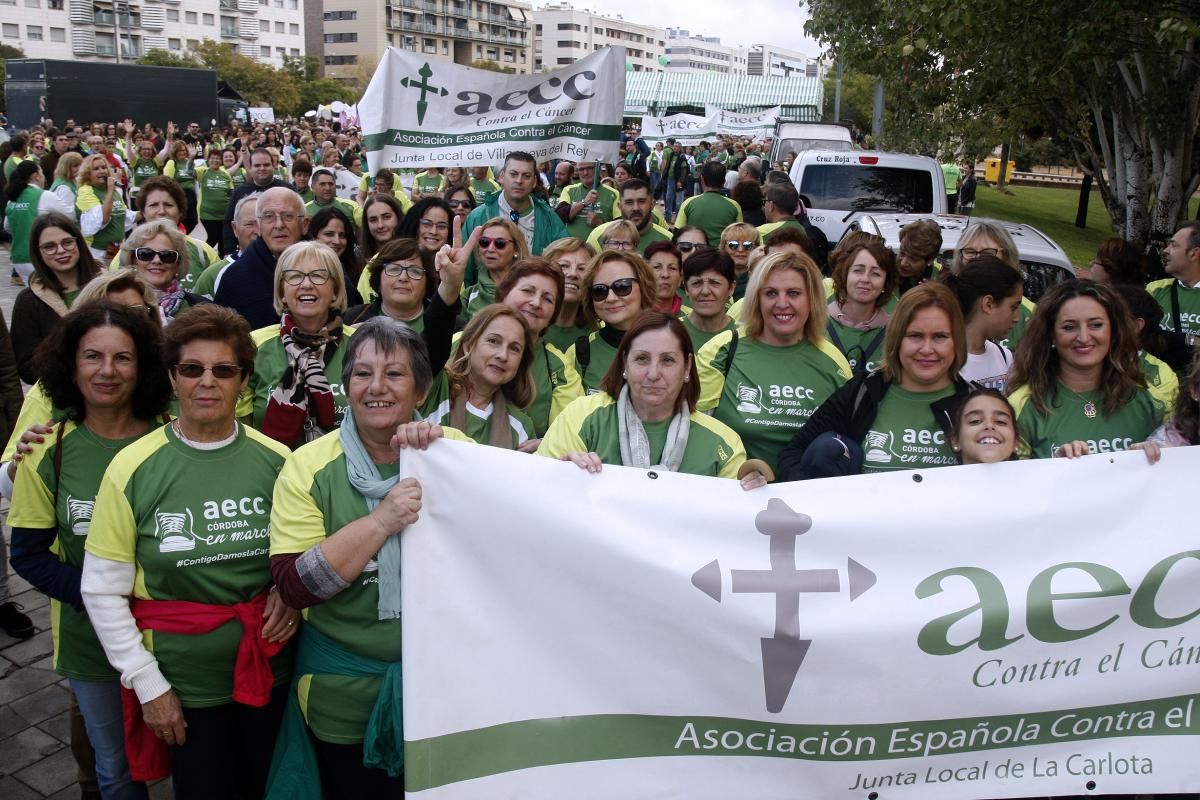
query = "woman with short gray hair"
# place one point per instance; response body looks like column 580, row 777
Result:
column 340, row 502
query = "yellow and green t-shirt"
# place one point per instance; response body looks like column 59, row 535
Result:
column 114, row 230
column 36, row 409
column 195, row 523
column 41, row 501
column 768, row 392
column 1161, row 380
column 905, row 434
column 477, row 423
column 654, row 233
column 605, row 200
column 1079, row 416
column 590, row 425
column 351, row 210
column 699, row 337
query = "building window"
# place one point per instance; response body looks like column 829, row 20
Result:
column 336, row 38
column 58, row 34
column 264, row 26
column 33, row 33
column 105, row 44
column 335, row 61
column 279, row 27
column 294, row 28
column 336, row 15
column 562, row 61
column 209, row 19
column 264, row 51
column 280, row 52
column 293, row 5
column 428, row 45
column 190, row 17
column 33, row 4
column 229, row 26
column 12, row 31
column 295, row 51
column 55, row 5
column 537, row 30
column 172, row 44
column 279, row 3
column 172, row 15
column 193, row 44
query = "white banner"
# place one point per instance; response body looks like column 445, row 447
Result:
column 687, row 129
column 759, row 124
column 425, row 112
column 263, row 114
column 1008, row 630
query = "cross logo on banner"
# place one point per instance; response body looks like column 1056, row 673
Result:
column 422, row 106
column 783, row 653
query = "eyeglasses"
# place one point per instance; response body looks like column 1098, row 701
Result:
column 733, row 246
column 970, row 253
column 459, row 203
column 295, row 277
column 66, row 245
column 617, row 244
column 621, row 287
column 151, row 311
column 414, row 273
column 498, row 244
column 222, row 372
column 149, row 254
column 687, row 247
column 437, row 226
column 271, row 217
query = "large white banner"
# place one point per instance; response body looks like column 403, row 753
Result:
column 1006, row 630
column 687, row 129
column 420, row 111
column 758, row 124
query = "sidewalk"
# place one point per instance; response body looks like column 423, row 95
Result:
column 35, row 752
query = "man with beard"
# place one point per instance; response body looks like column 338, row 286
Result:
column 637, row 204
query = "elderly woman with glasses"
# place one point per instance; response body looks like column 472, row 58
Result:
column 178, row 546
column 293, row 393
column 159, row 253
column 620, row 235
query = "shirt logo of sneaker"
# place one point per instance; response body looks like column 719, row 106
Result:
column 174, row 531
column 749, row 399
column 79, row 515
column 879, row 447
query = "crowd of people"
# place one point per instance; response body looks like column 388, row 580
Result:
column 203, row 472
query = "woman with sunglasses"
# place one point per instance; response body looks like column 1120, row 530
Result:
column 104, row 374
column 690, row 239
column 183, row 515
column 289, row 395
column 646, row 417
column 766, row 379
column 501, row 244
column 331, row 227
column 158, row 251
column 738, row 240
column 488, row 380
column 460, row 200
column 62, row 265
column 570, row 257
column 618, row 286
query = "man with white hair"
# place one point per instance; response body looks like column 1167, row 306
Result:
column 245, row 230
column 248, row 286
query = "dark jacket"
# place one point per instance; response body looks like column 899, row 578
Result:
column 248, row 286
column 36, row 312
column 228, row 240
column 851, row 411
column 10, row 384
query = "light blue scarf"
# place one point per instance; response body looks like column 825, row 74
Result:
column 365, row 479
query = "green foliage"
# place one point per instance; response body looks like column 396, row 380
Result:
column 491, row 66
column 165, row 58
column 7, row 51
column 858, row 97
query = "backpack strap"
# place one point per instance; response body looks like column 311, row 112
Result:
column 583, row 354
column 729, row 354
column 1175, row 307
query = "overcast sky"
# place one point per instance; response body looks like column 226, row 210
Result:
column 736, row 22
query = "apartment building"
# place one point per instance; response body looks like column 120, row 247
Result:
column 771, row 61
column 104, row 30
column 694, row 53
column 563, row 35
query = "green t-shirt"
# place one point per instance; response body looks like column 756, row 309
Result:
column 905, row 434
column 564, row 337
column 20, row 215
column 238, row 176
column 42, row 501
column 143, row 169
column 477, row 423
column 352, row 211
column 1189, row 306
column 314, row 500
column 557, row 385
column 768, row 392
column 699, row 337
column 483, row 188
column 206, row 284
column 711, row 212
column 269, row 366
column 479, row 294
column 857, row 344
column 184, row 173
column 424, row 183
column 216, row 187
column 601, row 355
column 1079, row 416
column 195, row 525
column 605, row 199
column 111, row 233
column 951, row 175
column 590, row 425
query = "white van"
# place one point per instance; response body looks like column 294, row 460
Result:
column 837, row 186
column 795, row 137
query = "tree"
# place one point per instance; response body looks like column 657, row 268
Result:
column 156, row 57
column 857, row 98
column 7, row 51
column 490, row 66
column 1119, row 81
column 259, row 83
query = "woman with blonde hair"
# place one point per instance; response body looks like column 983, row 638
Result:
column 65, row 173
column 738, row 240
column 571, row 257
column 159, row 252
column 488, row 380
column 899, row 416
column 500, row 245
column 983, row 237
column 620, row 235
column 767, row 379
column 99, row 207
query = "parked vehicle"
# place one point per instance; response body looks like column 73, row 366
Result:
column 795, row 137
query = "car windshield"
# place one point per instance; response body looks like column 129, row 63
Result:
column 797, row 145
column 856, row 187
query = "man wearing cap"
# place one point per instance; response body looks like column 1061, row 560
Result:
column 324, row 188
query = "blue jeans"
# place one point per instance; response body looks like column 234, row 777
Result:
column 100, row 703
column 674, row 199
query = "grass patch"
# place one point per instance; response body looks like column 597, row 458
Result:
column 1052, row 211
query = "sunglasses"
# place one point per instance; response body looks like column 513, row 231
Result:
column 459, row 203
column 498, row 243
column 621, row 287
column 744, row 245
column 149, row 253
column 222, row 372
column 687, row 247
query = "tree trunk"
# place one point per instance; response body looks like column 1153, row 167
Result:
column 1085, row 194
column 1002, row 179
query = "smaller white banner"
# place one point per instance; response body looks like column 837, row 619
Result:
column 687, row 129
column 263, row 114
column 758, row 123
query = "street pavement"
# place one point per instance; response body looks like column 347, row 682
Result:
column 35, row 752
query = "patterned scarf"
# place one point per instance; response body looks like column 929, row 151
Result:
column 169, row 301
column 301, row 407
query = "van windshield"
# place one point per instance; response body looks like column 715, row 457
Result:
column 854, row 187
column 787, row 146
